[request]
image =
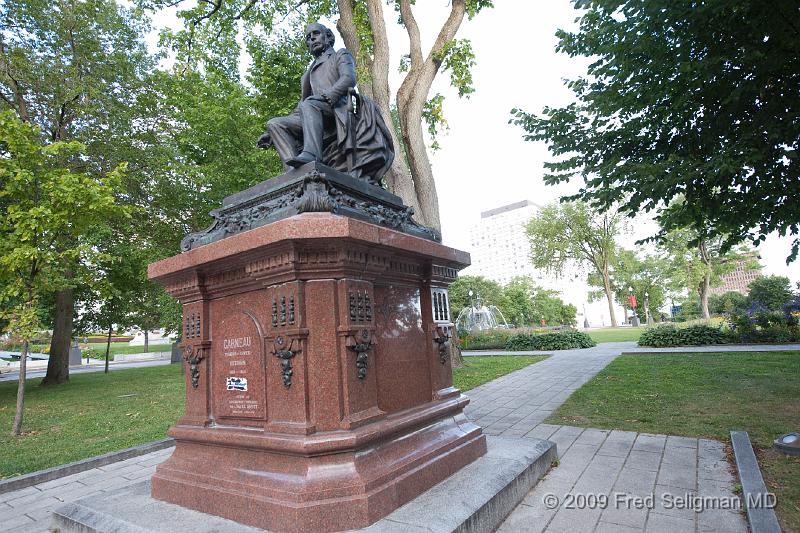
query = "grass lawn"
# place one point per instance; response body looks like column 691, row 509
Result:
column 97, row 413
column 100, row 348
column 123, row 348
column 479, row 370
column 615, row 334
column 93, row 414
column 703, row 395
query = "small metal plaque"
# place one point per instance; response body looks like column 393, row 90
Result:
column 237, row 384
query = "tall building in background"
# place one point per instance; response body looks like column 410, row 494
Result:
column 500, row 251
column 499, row 246
column 740, row 278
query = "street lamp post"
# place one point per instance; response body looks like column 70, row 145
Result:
column 647, row 314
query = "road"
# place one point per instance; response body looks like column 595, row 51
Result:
column 38, row 373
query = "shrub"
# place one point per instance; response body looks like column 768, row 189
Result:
column 664, row 336
column 760, row 325
column 562, row 340
column 485, row 340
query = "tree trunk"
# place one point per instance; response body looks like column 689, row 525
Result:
column 58, row 363
column 705, row 284
column 108, row 348
column 23, row 368
column 456, row 359
column 146, row 341
column 609, row 296
column 703, row 291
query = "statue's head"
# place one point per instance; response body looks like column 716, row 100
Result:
column 318, row 38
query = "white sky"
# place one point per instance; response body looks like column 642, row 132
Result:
column 483, row 162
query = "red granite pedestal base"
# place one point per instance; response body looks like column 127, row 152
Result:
column 319, row 392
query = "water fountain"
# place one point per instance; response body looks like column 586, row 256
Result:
column 480, row 317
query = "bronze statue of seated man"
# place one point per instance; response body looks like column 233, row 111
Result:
column 332, row 124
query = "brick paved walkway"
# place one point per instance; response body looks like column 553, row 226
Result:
column 592, row 461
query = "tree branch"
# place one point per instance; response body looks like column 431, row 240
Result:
column 412, row 28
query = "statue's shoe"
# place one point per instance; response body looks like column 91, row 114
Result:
column 301, row 159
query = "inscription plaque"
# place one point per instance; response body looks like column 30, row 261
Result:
column 239, row 369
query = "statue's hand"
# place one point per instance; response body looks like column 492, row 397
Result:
column 265, row 141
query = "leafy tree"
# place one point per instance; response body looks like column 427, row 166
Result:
column 526, row 304
column 490, row 292
column 648, row 276
column 700, row 267
column 727, row 303
column 549, row 307
column 73, row 69
column 44, row 203
column 684, row 99
column 770, row 292
column 212, row 28
column 574, row 233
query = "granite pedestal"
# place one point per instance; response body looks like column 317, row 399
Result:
column 319, row 391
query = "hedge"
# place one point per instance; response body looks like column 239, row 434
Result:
column 665, row 336
column 563, row 340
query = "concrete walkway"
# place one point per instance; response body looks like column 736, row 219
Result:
column 593, row 462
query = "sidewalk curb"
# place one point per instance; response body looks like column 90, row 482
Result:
column 761, row 515
column 34, row 478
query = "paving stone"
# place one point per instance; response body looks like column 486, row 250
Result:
column 720, row 521
column 666, row 499
column 547, row 486
column 637, row 482
column 63, row 480
column 640, row 460
column 546, row 430
column 526, row 518
column 574, row 521
column 592, row 436
column 715, row 488
column 12, row 523
column 605, row 527
column 679, row 456
column 681, row 442
column 678, row 475
column 659, row 523
column 623, row 515
column 111, row 483
column 15, row 494
column 564, row 437
column 649, row 443
column 711, row 448
column 618, row 443
column 32, row 501
column 63, row 491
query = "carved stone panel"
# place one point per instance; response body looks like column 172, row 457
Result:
column 238, row 368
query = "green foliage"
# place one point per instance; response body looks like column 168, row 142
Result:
column 648, row 276
column 562, row 340
column 524, row 304
column 683, row 100
column 48, row 211
column 770, row 292
column 433, row 115
column 572, row 232
column 724, row 304
column 458, row 57
column 495, row 339
column 490, row 292
column 669, row 335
